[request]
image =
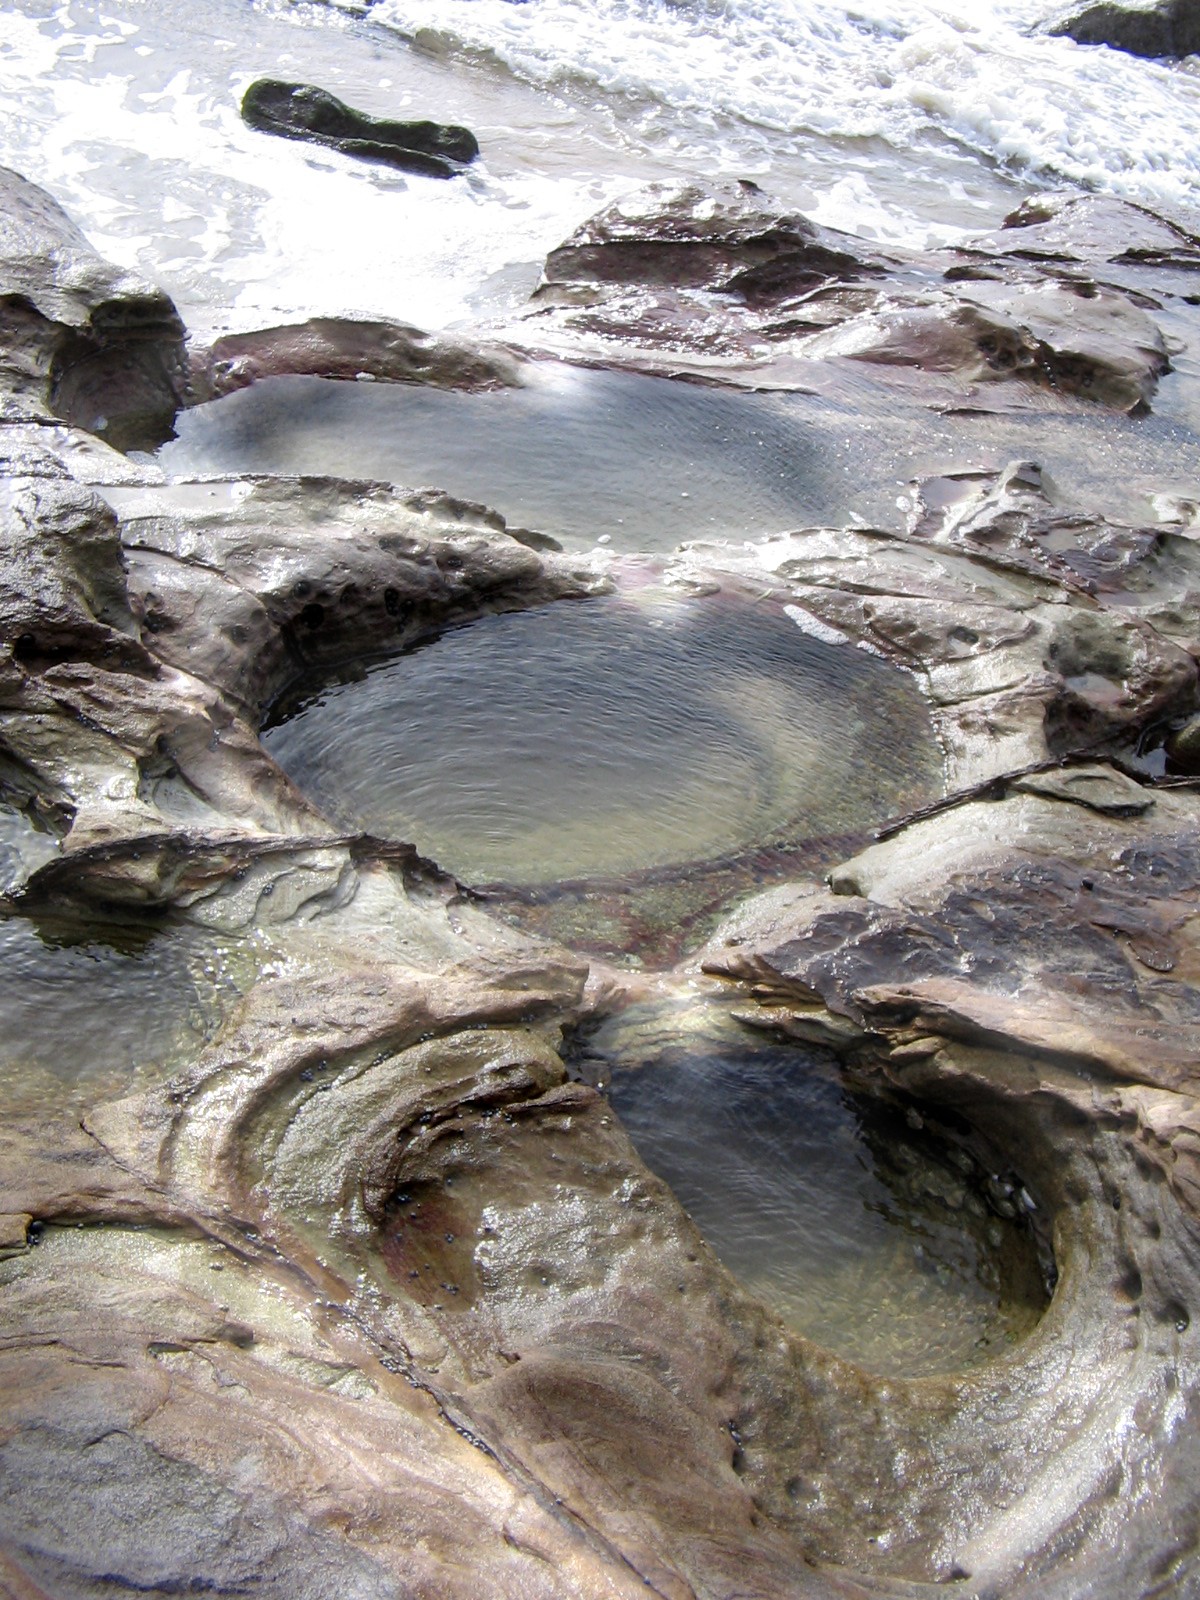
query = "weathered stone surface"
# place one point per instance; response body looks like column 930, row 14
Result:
column 331, row 347
column 302, row 111
column 253, row 582
column 80, row 339
column 1139, row 27
column 369, row 1298
column 717, row 280
column 239, row 586
column 1030, row 967
column 1023, row 625
column 1085, row 229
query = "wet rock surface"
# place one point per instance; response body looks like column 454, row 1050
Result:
column 330, row 347
column 714, row 280
column 303, row 111
column 1151, row 28
column 341, row 1281
column 81, row 339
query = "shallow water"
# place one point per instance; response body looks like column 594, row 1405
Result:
column 648, row 463
column 606, row 737
column 92, row 1014
column 862, row 1231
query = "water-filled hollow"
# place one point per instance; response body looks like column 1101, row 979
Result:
column 609, row 737
column 647, row 463
column 94, row 1012
column 863, row 1228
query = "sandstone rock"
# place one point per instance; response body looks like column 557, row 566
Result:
column 330, row 347
column 253, row 582
column 715, row 280
column 1029, row 966
column 301, row 111
column 371, row 1297
column 727, row 239
column 1087, row 229
column 1020, row 661
column 78, row 338
column 14, row 1231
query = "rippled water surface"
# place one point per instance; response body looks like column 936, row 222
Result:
column 92, row 1014
column 863, row 1232
column 648, row 463
column 610, row 736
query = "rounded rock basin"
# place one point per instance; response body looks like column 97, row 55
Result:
column 864, row 1231
column 601, row 738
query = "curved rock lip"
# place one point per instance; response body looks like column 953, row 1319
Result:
column 303, row 111
column 232, row 1380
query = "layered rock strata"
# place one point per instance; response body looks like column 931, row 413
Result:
column 1059, row 309
column 359, row 1292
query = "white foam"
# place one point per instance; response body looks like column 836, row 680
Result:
column 896, row 70
column 128, row 114
column 152, row 159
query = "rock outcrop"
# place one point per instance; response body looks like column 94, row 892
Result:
column 302, row 111
column 333, row 347
column 714, row 280
column 1139, row 27
column 80, row 339
column 339, row 1281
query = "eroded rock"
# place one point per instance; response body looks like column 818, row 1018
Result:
column 714, row 279
column 1027, row 966
column 330, row 347
column 80, row 339
column 368, row 1295
column 1025, row 627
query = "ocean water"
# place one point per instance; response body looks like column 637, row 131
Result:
column 919, row 121
column 981, row 73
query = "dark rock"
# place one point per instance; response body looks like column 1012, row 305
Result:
column 1183, row 746
column 1160, row 28
column 716, row 280
column 729, row 239
column 80, row 339
column 334, row 347
column 302, row 111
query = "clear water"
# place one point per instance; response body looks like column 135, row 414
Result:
column 862, row 1231
column 90, row 1015
column 608, row 737
column 648, row 463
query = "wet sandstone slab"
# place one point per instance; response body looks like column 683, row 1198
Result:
column 1074, row 301
column 220, row 1371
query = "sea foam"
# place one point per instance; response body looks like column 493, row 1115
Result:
column 982, row 73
